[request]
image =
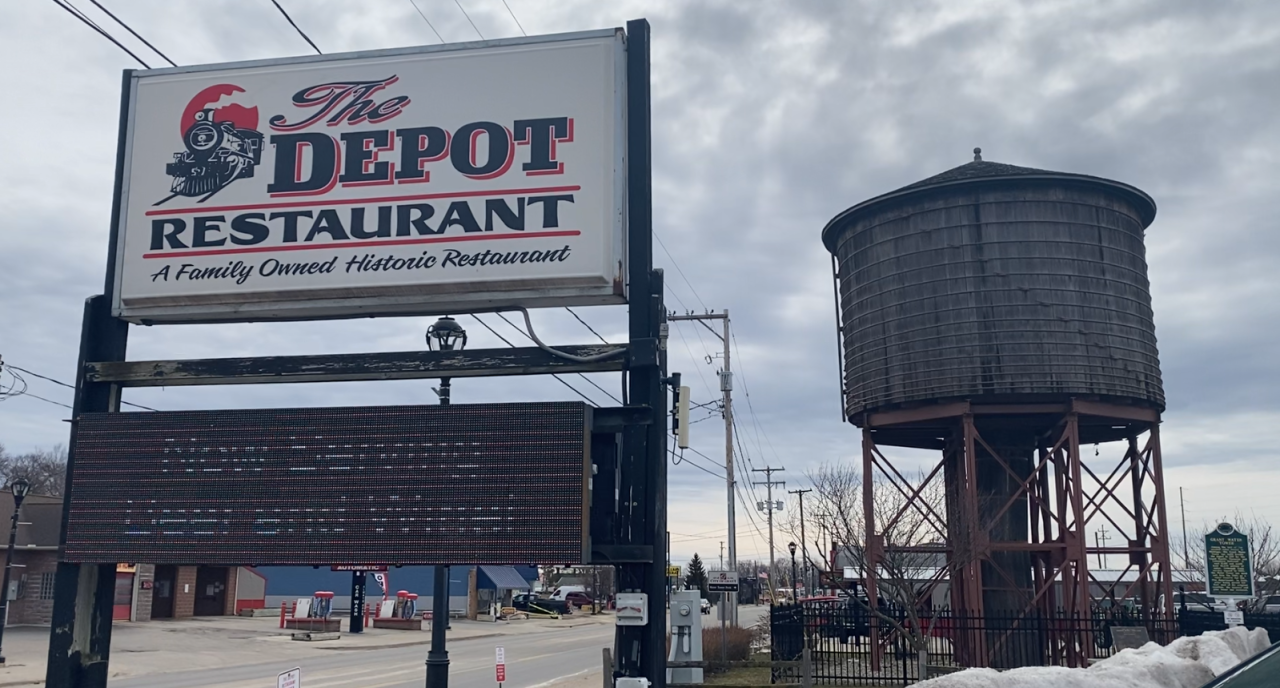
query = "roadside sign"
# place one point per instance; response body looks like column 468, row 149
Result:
column 359, row 567
column 290, row 679
column 1228, row 562
column 673, row 572
column 500, row 656
column 722, row 581
column 1233, row 617
column 351, row 185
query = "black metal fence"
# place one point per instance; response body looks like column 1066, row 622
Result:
column 851, row 645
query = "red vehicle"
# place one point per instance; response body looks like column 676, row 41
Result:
column 579, row 599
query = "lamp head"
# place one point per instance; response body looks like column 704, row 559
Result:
column 20, row 488
column 446, row 335
column 792, row 547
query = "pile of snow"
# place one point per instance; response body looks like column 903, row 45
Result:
column 1185, row 663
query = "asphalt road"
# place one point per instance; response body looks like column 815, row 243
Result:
column 533, row 660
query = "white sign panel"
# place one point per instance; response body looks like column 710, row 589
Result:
column 722, row 581
column 416, row 181
column 290, row 679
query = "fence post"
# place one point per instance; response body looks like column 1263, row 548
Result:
column 806, row 668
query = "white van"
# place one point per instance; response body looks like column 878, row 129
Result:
column 563, row 591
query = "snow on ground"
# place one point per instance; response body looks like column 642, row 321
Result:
column 1185, row 663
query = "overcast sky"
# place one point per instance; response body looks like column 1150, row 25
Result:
column 769, row 118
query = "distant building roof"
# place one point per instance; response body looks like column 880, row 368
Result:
column 502, row 578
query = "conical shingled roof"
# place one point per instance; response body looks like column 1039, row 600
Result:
column 980, row 171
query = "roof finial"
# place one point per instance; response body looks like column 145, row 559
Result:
column 977, row 155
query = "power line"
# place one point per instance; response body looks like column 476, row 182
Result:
column 473, row 24
column 428, row 21
column 584, row 377
column 513, row 16
column 70, row 386
column 691, row 463
column 135, row 33
column 557, row 377
column 747, row 392
column 677, row 267
column 295, row 27
column 75, row 12
column 584, row 324
column 50, row 401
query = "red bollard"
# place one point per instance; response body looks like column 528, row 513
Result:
column 282, row 607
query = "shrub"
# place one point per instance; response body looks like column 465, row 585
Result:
column 737, row 646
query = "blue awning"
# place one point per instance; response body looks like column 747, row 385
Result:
column 502, row 578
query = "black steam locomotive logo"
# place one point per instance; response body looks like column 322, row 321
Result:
column 218, row 153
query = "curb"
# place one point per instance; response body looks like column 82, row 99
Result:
column 412, row 643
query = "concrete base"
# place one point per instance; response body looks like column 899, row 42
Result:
column 314, row 625
column 310, row 635
column 414, row 624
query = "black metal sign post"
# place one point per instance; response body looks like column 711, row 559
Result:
column 629, row 444
column 356, row 624
column 80, row 630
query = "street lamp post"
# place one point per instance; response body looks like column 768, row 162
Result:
column 445, row 335
column 19, row 487
column 795, row 596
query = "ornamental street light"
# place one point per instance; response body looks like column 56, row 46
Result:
column 444, row 335
column 19, row 488
column 795, row 596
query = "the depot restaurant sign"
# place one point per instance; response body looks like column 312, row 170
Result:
column 422, row 180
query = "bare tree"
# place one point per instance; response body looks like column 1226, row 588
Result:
column 913, row 543
column 45, row 469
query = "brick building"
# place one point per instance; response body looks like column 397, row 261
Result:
column 143, row 591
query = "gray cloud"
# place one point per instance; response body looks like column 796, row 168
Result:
column 768, row 119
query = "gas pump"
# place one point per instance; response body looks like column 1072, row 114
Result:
column 686, row 636
column 322, row 604
column 402, row 599
column 410, row 606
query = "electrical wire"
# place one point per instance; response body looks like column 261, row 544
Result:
column 532, row 336
column 557, row 377
column 135, row 33
column 513, row 16
column 50, row 401
column 428, row 21
column 70, row 386
column 697, row 466
column 677, row 267
column 473, row 24
column 75, row 12
column 534, row 339
column 305, row 37
column 584, row 324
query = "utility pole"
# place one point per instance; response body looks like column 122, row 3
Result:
column 722, row 555
column 804, row 546
column 1100, row 539
column 769, row 482
column 1186, row 557
column 726, row 390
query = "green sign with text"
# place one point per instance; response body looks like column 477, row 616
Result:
column 1229, row 565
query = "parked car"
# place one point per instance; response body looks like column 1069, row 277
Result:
column 706, row 606
column 578, row 599
column 530, row 602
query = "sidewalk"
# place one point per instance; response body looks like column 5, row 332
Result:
column 162, row 646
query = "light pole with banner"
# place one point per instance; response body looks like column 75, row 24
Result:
column 444, row 335
column 19, row 488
